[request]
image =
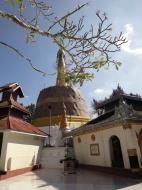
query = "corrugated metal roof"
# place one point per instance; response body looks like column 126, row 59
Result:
column 20, row 125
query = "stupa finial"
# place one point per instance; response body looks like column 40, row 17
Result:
column 60, row 68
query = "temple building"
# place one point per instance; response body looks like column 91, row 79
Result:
column 20, row 142
column 60, row 106
column 113, row 140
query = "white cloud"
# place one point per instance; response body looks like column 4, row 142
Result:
column 127, row 46
column 100, row 93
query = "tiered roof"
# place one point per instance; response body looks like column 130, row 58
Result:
column 118, row 108
column 12, row 113
column 117, row 95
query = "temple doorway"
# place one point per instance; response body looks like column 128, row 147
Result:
column 116, row 153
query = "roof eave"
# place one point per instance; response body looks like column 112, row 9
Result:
column 32, row 134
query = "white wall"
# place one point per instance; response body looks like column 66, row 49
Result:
column 3, row 151
column 50, row 157
column 82, row 150
column 56, row 138
column 21, row 151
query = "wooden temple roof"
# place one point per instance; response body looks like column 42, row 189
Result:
column 111, row 100
column 12, row 87
column 116, row 97
column 13, row 104
column 129, row 109
column 10, row 92
column 12, row 113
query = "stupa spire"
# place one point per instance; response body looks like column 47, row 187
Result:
column 61, row 68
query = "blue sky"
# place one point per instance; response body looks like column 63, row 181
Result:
column 126, row 17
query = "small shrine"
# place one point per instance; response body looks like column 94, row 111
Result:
column 20, row 142
column 112, row 140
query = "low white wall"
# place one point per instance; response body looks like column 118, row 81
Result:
column 50, row 157
column 3, row 151
column 21, row 151
column 102, row 137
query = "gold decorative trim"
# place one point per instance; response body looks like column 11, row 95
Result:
column 127, row 126
column 55, row 120
column 60, row 81
column 132, row 152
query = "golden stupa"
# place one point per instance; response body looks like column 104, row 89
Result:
column 61, row 104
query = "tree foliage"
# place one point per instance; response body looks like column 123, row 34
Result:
column 31, row 109
column 88, row 50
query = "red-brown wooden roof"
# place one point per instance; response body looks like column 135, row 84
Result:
column 20, row 125
column 13, row 104
column 18, row 106
column 13, row 87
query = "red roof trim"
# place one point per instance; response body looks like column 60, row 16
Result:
column 23, row 126
column 18, row 106
column 20, row 125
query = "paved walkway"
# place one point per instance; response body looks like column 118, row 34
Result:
column 54, row 179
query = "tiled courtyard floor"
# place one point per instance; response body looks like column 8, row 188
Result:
column 54, row 179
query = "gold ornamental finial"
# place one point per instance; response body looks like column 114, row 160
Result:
column 61, row 71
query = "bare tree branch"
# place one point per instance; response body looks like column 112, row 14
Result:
column 67, row 15
column 92, row 49
column 23, row 57
column 25, row 25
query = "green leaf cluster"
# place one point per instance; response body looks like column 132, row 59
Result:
column 30, row 37
column 79, row 78
column 14, row 2
column 31, row 108
column 98, row 64
column 117, row 64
